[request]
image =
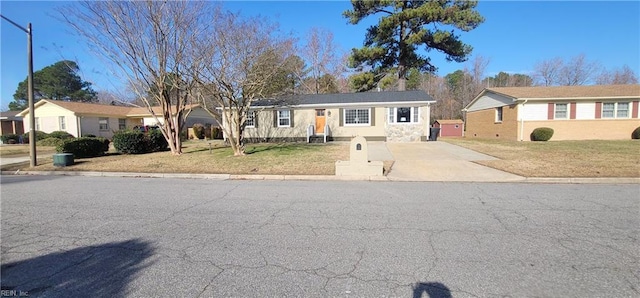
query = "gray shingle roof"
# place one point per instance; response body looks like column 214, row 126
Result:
column 337, row 98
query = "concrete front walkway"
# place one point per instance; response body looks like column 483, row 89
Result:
column 436, row 161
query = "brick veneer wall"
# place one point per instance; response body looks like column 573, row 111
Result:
column 481, row 124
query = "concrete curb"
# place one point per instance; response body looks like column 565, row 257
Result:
column 540, row 180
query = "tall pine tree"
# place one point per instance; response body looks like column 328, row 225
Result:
column 59, row 81
column 403, row 28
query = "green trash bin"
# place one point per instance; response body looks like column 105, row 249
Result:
column 63, row 159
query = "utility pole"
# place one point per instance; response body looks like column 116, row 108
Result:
column 32, row 118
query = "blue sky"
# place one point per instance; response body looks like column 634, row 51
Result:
column 515, row 35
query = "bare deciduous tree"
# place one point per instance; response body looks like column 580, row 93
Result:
column 621, row 76
column 556, row 71
column 578, row 71
column 547, row 72
column 238, row 65
column 323, row 56
column 151, row 43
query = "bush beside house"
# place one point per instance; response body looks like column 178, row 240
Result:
column 542, row 134
column 137, row 142
column 84, row 147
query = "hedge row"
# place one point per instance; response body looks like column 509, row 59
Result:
column 84, row 147
column 137, row 142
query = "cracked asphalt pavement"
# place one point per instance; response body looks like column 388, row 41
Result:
column 145, row 237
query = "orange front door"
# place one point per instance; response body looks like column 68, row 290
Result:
column 320, row 121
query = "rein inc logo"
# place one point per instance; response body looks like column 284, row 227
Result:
column 13, row 293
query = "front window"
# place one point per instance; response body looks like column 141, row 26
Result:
column 103, row 123
column 608, row 109
column 404, row 115
column 561, row 111
column 622, row 110
column 499, row 114
column 61, row 123
column 122, row 124
column 284, row 118
column 37, row 121
column 250, row 120
column 357, row 117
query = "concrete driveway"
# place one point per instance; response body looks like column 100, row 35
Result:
column 436, row 161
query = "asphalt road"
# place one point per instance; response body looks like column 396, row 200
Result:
column 137, row 237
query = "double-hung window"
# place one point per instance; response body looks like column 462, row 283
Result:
column 561, row 111
column 103, row 123
column 404, row 115
column 615, row 110
column 250, row 121
column 37, row 121
column 122, row 124
column 61, row 123
column 357, row 117
column 498, row 114
column 284, row 118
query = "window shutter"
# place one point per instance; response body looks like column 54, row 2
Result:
column 255, row 119
column 572, row 110
column 290, row 118
column 373, row 116
column 275, row 118
column 550, row 111
column 634, row 109
column 598, row 110
column 341, row 115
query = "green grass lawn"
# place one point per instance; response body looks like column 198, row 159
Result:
column 266, row 159
column 588, row 158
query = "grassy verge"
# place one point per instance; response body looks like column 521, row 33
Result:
column 265, row 159
column 592, row 158
column 21, row 150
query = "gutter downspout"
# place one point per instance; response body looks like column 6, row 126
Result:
column 522, row 121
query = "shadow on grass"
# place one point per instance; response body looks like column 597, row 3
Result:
column 103, row 270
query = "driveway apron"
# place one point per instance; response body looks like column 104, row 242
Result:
column 440, row 161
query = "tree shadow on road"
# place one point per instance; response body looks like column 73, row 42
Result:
column 432, row 289
column 92, row 271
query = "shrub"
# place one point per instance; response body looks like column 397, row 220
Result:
column 198, row 130
column 130, row 141
column 10, row 139
column 636, row 133
column 89, row 135
column 60, row 135
column 40, row 135
column 216, row 133
column 82, row 147
column 105, row 143
column 542, row 134
column 136, row 142
column 50, row 142
column 156, row 141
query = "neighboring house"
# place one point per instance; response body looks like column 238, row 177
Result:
column 398, row 116
column 11, row 123
column 450, row 128
column 573, row 112
column 80, row 119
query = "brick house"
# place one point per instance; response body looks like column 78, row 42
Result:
column 604, row 112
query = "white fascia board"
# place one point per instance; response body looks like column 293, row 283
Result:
column 577, row 98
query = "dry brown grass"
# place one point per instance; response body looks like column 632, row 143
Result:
column 592, row 158
column 18, row 150
column 263, row 159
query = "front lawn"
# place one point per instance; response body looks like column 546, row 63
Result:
column 589, row 158
column 264, row 159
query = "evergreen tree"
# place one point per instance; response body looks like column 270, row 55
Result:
column 402, row 29
column 59, row 81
